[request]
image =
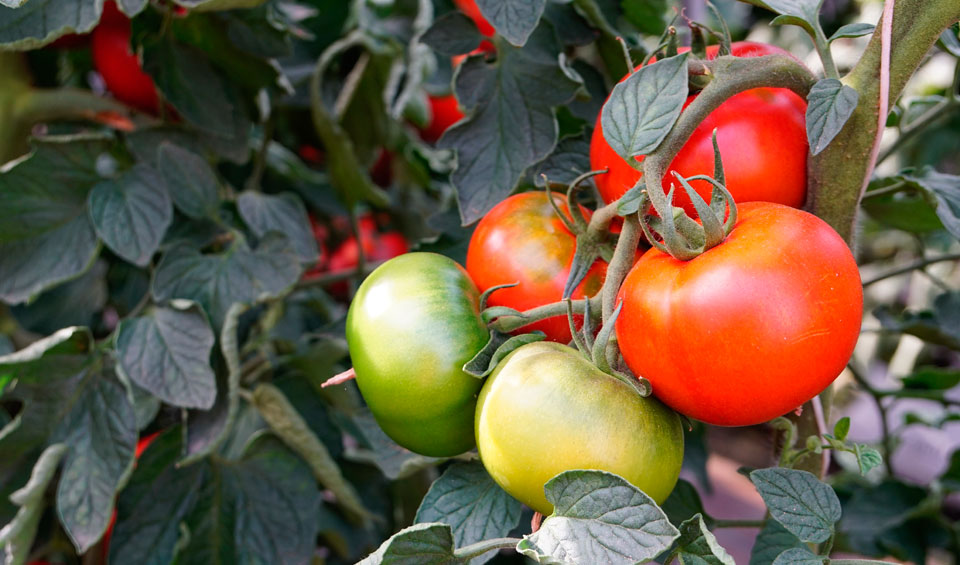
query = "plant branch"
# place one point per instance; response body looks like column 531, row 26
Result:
column 508, row 324
column 481, row 547
column 920, row 264
column 738, row 523
column 877, row 396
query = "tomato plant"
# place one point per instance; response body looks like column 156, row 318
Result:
column 522, row 240
column 762, row 138
column 412, row 325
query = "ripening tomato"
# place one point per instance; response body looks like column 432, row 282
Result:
column 118, row 64
column 752, row 328
column 545, row 409
column 522, row 240
column 762, row 138
column 469, row 7
column 444, row 112
column 376, row 247
column 411, row 327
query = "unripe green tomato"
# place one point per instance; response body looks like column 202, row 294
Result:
column 546, row 410
column 411, row 327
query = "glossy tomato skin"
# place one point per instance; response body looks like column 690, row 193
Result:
column 412, row 325
column 762, row 138
column 545, row 409
column 522, row 240
column 469, row 7
column 752, row 328
column 118, row 65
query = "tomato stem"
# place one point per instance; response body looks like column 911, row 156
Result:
column 507, row 324
column 481, row 547
column 623, row 258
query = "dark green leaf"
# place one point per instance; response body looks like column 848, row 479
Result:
column 805, row 506
column 239, row 275
column 946, row 190
column 467, row 499
column 941, row 325
column 698, row 546
column 599, row 517
column 803, row 13
column 131, row 214
column 907, row 211
column 799, row 556
column 168, row 354
column 17, row 536
column 35, row 23
column 512, row 124
column 642, row 109
column 773, row 540
column 394, row 462
column 875, row 509
column 513, row 19
column 452, row 34
column 190, row 180
column 571, row 27
column 499, row 346
column 830, row 104
column 569, row 160
column 951, row 477
column 852, row 30
column 79, row 302
column 646, row 15
column 683, row 503
column 931, row 378
column 59, row 356
column 101, row 432
column 949, row 41
column 284, row 213
column 420, row 544
column 145, row 143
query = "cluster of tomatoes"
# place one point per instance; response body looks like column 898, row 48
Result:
column 747, row 331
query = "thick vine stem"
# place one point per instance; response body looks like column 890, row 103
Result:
column 508, row 324
column 620, row 265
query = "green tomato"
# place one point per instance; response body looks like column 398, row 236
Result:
column 411, row 327
column 546, row 410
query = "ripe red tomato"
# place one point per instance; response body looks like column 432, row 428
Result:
column 376, row 247
column 762, row 138
column 444, row 112
column 752, row 328
column 522, row 240
column 469, row 7
column 118, row 64
column 142, row 444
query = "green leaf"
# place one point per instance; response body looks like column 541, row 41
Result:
column 284, row 213
column 238, row 275
column 420, row 544
column 101, row 432
column 394, row 461
column 190, row 179
column 467, row 499
column 867, row 458
column 945, row 189
column 512, row 123
column 805, row 506
column 773, row 540
column 683, row 503
column 646, row 15
column 949, row 41
column 168, row 354
column 799, row 556
column 599, row 517
column 698, row 546
column 131, row 214
column 452, row 34
column 570, row 159
column 842, row 428
column 940, row 325
column 642, row 109
column 513, row 19
column 872, row 510
column 830, row 104
column 78, row 302
column 907, row 211
column 16, row 538
column 803, row 13
column 56, row 357
column 951, row 477
column 26, row 25
column 931, row 378
column 499, row 346
column 852, row 30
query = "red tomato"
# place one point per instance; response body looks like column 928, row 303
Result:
column 376, row 247
column 118, row 64
column 444, row 112
column 752, row 328
column 469, row 7
column 142, row 445
column 762, row 138
column 522, row 240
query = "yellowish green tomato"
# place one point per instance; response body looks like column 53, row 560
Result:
column 411, row 327
column 546, row 410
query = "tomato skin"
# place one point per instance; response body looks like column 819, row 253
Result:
column 523, row 241
column 412, row 325
column 118, row 65
column 469, row 7
column 752, row 328
column 545, row 409
column 762, row 138
column 444, row 112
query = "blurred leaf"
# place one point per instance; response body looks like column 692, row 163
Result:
column 472, row 504
column 238, row 275
column 941, row 325
column 257, row 32
column 805, row 506
column 949, row 41
column 903, row 211
column 145, row 143
column 588, row 109
column 16, row 538
column 570, row 26
column 698, row 546
column 512, row 124
column 642, row 109
column 74, row 303
column 799, row 556
column 168, row 354
column 946, row 190
column 830, row 104
column 773, row 540
column 513, row 19
column 852, row 30
column 803, row 13
column 190, row 179
column 393, row 460
column 284, row 213
column 599, row 517
column 646, row 15
column 951, row 477
column 452, row 34
column 423, row 544
column 131, row 214
column 684, row 503
column 101, row 432
column 871, row 510
column 32, row 24
column 931, row 378
column 58, row 356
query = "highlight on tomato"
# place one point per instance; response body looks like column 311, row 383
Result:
column 523, row 240
column 118, row 64
column 762, row 138
column 546, row 409
column 752, row 328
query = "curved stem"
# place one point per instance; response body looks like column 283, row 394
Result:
column 508, row 324
column 911, row 267
column 40, row 105
column 620, row 265
column 481, row 547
